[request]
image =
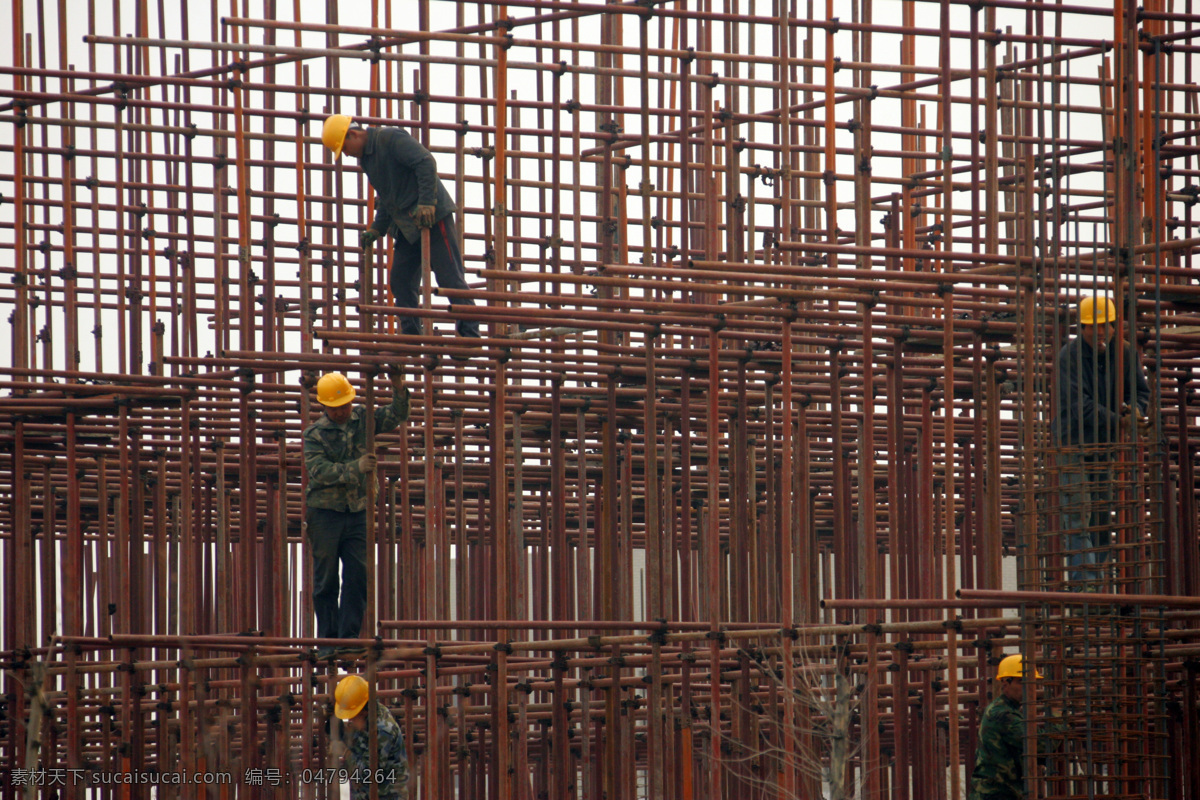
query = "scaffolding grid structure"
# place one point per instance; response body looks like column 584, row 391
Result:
column 750, row 481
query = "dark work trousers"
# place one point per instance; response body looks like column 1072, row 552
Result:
column 338, row 536
column 447, row 266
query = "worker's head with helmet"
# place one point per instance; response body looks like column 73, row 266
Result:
column 336, row 394
column 350, row 698
column 341, row 135
column 1097, row 320
column 1011, row 675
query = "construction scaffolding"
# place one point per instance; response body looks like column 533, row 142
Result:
column 751, row 480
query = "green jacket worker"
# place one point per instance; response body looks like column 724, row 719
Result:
column 339, row 467
column 351, row 704
column 999, row 772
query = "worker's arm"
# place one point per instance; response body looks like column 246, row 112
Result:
column 321, row 469
column 390, row 416
column 393, row 758
column 338, row 747
column 1050, row 738
column 383, row 221
column 1142, row 385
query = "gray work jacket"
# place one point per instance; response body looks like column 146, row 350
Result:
column 404, row 176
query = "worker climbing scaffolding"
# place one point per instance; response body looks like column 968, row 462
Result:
column 341, row 462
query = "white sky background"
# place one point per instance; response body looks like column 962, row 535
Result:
column 198, row 25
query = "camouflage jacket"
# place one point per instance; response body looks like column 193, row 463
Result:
column 1000, row 755
column 331, row 452
column 391, row 772
column 998, row 773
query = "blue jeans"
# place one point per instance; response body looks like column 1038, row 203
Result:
column 1085, row 500
column 338, row 536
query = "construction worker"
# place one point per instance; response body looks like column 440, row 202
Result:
column 999, row 757
column 1085, row 427
column 408, row 196
column 351, row 704
column 339, row 467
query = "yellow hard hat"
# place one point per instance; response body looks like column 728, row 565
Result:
column 334, row 390
column 350, row 697
column 333, row 135
column 1089, row 314
column 1013, row 667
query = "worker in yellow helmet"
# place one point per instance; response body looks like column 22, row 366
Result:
column 408, row 196
column 999, row 757
column 339, row 466
column 352, row 706
column 1089, row 414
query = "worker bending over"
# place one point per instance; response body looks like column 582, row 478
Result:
column 408, row 196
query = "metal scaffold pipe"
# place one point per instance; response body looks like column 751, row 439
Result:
column 770, row 372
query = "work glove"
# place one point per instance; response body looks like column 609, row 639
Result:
column 368, row 238
column 367, row 463
column 1143, row 422
column 425, row 216
column 396, row 375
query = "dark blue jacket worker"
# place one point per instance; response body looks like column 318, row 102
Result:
column 408, row 196
column 1085, row 428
